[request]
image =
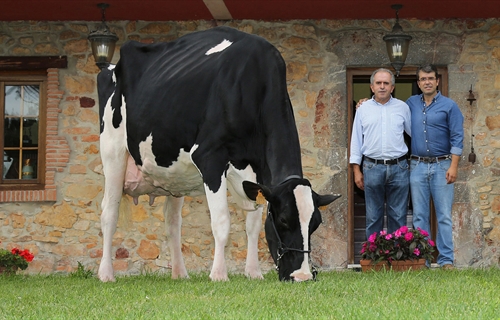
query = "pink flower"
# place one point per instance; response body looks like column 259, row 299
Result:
column 372, row 237
column 416, row 252
column 383, row 232
column 388, row 237
column 403, row 229
column 431, row 243
column 423, row 232
column 397, row 233
column 408, row 236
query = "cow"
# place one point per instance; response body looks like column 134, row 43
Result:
column 204, row 114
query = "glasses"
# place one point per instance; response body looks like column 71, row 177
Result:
column 427, row 79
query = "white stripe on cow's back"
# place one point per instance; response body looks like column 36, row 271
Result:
column 220, row 47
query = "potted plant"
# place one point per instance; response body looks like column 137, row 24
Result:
column 403, row 249
column 376, row 251
column 412, row 249
column 11, row 261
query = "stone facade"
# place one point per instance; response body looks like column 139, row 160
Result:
column 66, row 231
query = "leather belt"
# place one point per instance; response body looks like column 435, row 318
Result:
column 386, row 162
column 429, row 159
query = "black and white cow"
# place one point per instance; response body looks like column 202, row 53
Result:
column 200, row 115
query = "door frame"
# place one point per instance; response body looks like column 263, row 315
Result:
column 351, row 73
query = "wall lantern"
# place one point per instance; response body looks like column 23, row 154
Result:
column 397, row 43
column 471, row 99
column 103, row 41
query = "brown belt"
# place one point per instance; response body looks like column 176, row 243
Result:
column 429, row 159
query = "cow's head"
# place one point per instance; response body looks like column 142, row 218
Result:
column 292, row 217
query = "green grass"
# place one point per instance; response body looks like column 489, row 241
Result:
column 428, row 294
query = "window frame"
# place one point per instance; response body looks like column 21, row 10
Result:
column 26, row 77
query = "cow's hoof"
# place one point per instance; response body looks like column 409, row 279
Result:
column 180, row 275
column 107, row 278
column 220, row 277
column 105, row 273
column 254, row 275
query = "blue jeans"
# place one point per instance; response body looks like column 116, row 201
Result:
column 389, row 185
column 429, row 180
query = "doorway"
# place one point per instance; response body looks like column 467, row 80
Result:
column 358, row 87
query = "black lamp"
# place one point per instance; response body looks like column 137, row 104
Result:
column 397, row 43
column 103, row 41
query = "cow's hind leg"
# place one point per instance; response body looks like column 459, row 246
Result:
column 114, row 172
column 114, row 163
column 173, row 223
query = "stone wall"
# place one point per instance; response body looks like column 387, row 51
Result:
column 64, row 232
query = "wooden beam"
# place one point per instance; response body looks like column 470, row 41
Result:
column 33, row 62
column 218, row 9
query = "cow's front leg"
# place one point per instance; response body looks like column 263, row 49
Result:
column 221, row 222
column 173, row 223
column 253, row 226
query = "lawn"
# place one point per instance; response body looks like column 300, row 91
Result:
column 427, row 294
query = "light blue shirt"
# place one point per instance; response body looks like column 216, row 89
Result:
column 377, row 130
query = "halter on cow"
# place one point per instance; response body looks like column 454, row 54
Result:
column 204, row 114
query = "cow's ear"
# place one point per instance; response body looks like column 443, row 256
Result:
column 324, row 200
column 256, row 192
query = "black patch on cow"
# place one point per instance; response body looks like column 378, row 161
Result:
column 233, row 104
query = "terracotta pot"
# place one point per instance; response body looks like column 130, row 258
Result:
column 404, row 265
column 368, row 265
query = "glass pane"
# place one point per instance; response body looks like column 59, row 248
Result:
column 10, row 164
column 30, row 132
column 12, row 100
column 11, row 132
column 31, row 98
column 29, row 164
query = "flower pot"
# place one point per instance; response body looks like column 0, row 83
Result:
column 368, row 265
column 404, row 265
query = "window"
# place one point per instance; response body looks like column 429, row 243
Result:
column 29, row 138
column 22, row 106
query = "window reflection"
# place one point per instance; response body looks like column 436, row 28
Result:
column 12, row 101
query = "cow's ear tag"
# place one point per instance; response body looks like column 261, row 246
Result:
column 322, row 207
column 260, row 199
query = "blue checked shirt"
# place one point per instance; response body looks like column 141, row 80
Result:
column 378, row 130
column 438, row 128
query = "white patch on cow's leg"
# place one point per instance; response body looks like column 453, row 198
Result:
column 305, row 206
column 173, row 222
column 221, row 223
column 220, row 47
column 253, row 226
column 114, row 162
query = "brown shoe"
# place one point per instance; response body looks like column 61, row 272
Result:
column 447, row 267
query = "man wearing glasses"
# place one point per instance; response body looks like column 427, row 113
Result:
column 436, row 146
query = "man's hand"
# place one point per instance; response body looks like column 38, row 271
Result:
column 451, row 174
column 358, row 176
column 360, row 102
